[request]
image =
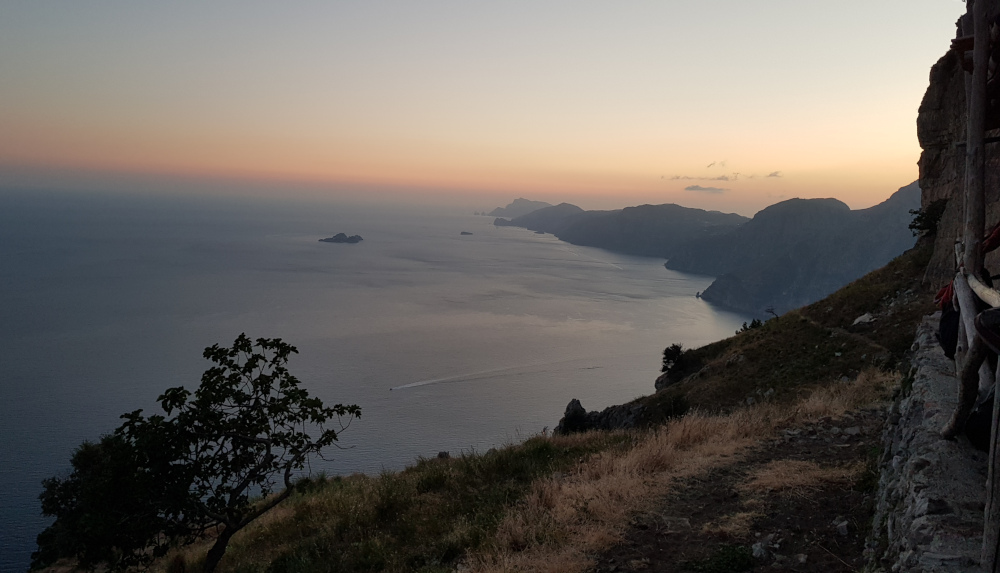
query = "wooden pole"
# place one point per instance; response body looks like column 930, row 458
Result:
column 975, row 227
column 970, row 364
column 975, row 166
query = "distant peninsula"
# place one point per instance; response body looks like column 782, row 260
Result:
column 790, row 254
column 647, row 230
column 518, row 207
column 342, row 238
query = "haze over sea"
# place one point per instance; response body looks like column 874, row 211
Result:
column 447, row 341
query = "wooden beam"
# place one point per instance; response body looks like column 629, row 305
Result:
column 975, row 228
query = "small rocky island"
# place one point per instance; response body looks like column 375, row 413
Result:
column 342, row 238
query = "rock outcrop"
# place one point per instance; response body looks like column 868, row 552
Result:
column 578, row 419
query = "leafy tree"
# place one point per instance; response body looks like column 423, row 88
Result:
column 671, row 355
column 925, row 221
column 164, row 480
column 678, row 363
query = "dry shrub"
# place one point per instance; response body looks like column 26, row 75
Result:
column 798, row 475
column 870, row 386
column 735, row 526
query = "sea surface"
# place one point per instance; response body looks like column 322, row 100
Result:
column 448, row 342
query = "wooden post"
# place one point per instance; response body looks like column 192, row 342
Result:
column 975, row 227
column 975, row 166
column 970, row 364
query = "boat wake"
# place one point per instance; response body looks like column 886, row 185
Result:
column 509, row 372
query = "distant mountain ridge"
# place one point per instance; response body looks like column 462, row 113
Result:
column 790, row 254
column 798, row 251
column 518, row 207
column 646, row 230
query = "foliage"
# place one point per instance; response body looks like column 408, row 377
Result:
column 755, row 323
column 925, row 221
column 162, row 480
column 671, row 355
column 678, row 363
column 115, row 498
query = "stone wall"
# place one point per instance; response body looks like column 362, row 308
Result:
column 929, row 514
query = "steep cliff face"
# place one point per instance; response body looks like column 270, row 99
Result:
column 940, row 125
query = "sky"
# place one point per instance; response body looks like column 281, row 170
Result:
column 727, row 105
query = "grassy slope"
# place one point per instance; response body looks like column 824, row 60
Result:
column 438, row 512
column 810, row 346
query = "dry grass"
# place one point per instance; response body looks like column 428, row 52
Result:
column 564, row 521
column 797, row 475
column 736, row 526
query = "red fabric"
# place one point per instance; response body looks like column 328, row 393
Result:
column 944, row 296
column 992, row 240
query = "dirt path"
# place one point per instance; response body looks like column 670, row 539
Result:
column 801, row 502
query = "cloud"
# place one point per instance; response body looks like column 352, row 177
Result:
column 689, row 178
column 705, row 189
column 774, row 174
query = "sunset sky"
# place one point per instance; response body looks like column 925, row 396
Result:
column 729, row 105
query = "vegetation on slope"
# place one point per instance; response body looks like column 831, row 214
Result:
column 808, row 347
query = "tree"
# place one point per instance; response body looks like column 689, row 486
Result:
column 925, row 221
column 671, row 355
column 755, row 323
column 162, row 480
column 678, row 363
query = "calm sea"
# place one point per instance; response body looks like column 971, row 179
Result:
column 447, row 341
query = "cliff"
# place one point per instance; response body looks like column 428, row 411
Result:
column 940, row 126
